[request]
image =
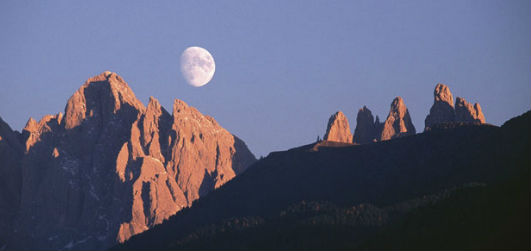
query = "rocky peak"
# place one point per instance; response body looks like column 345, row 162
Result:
column 466, row 112
column 100, row 96
column 398, row 108
column 113, row 168
column 34, row 131
column 181, row 108
column 186, row 116
column 31, row 125
column 338, row 129
column 442, row 94
column 398, row 122
column 366, row 127
column 154, row 113
column 442, row 110
column 155, row 124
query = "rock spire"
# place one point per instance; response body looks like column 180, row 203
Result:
column 444, row 111
column 338, row 129
column 398, row 122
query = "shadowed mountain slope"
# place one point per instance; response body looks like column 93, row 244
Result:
column 11, row 152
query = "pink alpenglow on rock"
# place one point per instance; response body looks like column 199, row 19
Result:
column 398, row 122
column 466, row 112
column 113, row 168
column 444, row 111
column 338, row 129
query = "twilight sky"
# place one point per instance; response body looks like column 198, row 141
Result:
column 282, row 67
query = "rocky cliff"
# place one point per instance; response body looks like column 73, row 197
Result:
column 443, row 110
column 338, row 129
column 466, row 112
column 111, row 168
column 367, row 129
column 398, row 122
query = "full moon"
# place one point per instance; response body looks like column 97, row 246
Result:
column 197, row 66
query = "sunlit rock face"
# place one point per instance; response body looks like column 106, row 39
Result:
column 338, row 129
column 444, row 111
column 111, row 168
column 466, row 112
column 398, row 122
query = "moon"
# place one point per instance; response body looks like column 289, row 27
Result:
column 197, row 66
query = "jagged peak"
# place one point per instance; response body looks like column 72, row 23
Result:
column 120, row 89
column 181, row 110
column 398, row 122
column 462, row 101
column 31, row 125
column 398, row 101
column 398, row 106
column 179, row 106
column 365, row 117
column 338, row 128
column 366, row 130
column 154, row 106
column 153, row 102
column 338, row 116
column 364, row 111
column 442, row 93
column 466, row 112
column 93, row 92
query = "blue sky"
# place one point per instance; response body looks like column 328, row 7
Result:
column 282, row 67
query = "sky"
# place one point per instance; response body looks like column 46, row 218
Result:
column 282, row 67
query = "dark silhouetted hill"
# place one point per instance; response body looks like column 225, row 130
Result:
column 462, row 186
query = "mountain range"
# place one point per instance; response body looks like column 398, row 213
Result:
column 460, row 186
column 112, row 172
column 108, row 168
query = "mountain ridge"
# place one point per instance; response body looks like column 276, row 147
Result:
column 110, row 167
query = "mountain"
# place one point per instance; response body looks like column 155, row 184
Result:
column 466, row 112
column 338, row 129
column 462, row 187
column 110, row 167
column 443, row 110
column 398, row 122
column 367, row 129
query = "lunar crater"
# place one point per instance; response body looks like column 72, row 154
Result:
column 197, row 66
